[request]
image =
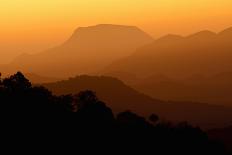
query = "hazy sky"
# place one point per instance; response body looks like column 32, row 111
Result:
column 34, row 25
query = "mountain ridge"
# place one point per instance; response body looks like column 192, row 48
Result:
column 121, row 97
column 180, row 55
column 86, row 51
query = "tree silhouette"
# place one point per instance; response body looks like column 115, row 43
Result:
column 16, row 82
column 154, row 118
column 92, row 111
column 131, row 120
column 19, row 96
column 85, row 117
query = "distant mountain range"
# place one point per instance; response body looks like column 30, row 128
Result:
column 37, row 79
column 110, row 49
column 194, row 68
column 121, row 97
column 202, row 53
column 88, row 50
column 214, row 89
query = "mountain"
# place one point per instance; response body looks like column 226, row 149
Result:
column 88, row 50
column 227, row 32
column 214, row 89
column 195, row 68
column 121, row 97
column 204, row 52
column 169, row 38
column 37, row 79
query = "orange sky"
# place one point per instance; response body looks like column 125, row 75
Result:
column 34, row 25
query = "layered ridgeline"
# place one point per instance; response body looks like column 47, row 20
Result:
column 213, row 89
column 88, row 50
column 202, row 53
column 37, row 79
column 121, row 97
column 194, row 68
column 84, row 117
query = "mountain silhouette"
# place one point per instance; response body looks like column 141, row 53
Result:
column 198, row 67
column 37, row 79
column 204, row 52
column 169, row 38
column 202, row 35
column 91, row 123
column 214, row 89
column 226, row 32
column 121, row 97
column 88, row 50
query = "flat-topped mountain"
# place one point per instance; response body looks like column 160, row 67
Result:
column 88, row 50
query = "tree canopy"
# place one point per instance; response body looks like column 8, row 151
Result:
column 84, row 115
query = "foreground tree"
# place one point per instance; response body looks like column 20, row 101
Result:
column 84, row 118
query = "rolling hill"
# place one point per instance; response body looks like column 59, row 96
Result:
column 37, row 79
column 121, row 97
column 214, row 89
column 204, row 52
column 193, row 68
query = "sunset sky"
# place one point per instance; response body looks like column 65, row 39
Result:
column 34, row 25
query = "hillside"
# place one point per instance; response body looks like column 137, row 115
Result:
column 192, row 68
column 214, row 89
column 204, row 52
column 88, row 50
column 37, row 79
column 121, row 97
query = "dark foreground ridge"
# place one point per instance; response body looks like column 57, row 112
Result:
column 86, row 119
